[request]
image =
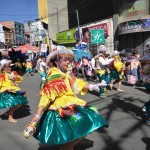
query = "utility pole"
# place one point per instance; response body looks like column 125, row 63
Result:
column 57, row 20
column 29, row 25
column 78, row 24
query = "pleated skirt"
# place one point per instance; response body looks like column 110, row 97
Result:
column 53, row 129
column 114, row 75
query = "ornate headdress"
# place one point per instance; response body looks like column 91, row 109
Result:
column 102, row 48
column 115, row 52
column 4, row 62
column 58, row 53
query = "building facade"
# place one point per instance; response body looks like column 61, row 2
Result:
column 131, row 24
column 88, row 11
column 17, row 32
column 5, row 37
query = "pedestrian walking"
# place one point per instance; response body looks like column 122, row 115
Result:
column 62, row 118
column 11, row 96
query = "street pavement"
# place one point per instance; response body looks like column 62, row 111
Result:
column 127, row 130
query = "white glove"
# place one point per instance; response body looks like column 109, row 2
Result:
column 110, row 60
column 95, row 87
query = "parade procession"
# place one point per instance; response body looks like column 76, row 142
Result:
column 75, row 75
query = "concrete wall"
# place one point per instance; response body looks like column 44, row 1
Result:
column 57, row 17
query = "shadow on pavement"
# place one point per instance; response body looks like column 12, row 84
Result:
column 82, row 145
column 128, row 107
column 143, row 90
column 21, row 112
column 146, row 140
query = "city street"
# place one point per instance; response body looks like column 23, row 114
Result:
column 127, row 130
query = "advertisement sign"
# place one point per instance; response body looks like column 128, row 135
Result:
column 103, row 26
column 134, row 26
column 66, row 36
column 86, row 32
column 97, row 36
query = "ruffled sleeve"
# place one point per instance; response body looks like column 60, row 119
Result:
column 81, row 85
column 2, row 78
column 55, row 87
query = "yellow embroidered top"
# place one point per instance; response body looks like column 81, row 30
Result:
column 6, row 84
column 60, row 89
column 118, row 65
column 28, row 65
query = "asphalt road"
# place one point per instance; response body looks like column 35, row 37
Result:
column 127, row 130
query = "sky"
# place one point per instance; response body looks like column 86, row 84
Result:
column 18, row 10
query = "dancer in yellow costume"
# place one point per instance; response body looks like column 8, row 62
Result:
column 65, row 119
column 117, row 71
column 11, row 95
column 28, row 66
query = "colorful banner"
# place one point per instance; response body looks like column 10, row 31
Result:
column 43, row 10
column 65, row 37
column 134, row 26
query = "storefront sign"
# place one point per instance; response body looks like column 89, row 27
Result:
column 134, row 26
column 103, row 26
column 66, row 36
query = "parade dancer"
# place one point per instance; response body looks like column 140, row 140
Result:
column 29, row 67
column 117, row 71
column 11, row 95
column 62, row 118
column 103, row 71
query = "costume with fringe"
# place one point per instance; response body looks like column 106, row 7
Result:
column 103, row 74
column 10, row 94
column 66, row 117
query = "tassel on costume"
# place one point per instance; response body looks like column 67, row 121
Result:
column 93, row 108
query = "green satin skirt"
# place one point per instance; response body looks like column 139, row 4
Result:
column 53, row 130
column 8, row 99
column 114, row 75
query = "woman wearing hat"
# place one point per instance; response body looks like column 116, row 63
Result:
column 11, row 95
column 62, row 118
column 117, row 71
